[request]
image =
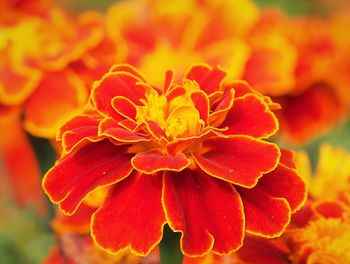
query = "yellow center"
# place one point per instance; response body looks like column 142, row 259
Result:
column 177, row 116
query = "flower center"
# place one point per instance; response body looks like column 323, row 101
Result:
column 174, row 112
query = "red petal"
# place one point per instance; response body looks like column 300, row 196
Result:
column 329, row 209
column 284, row 182
column 154, row 160
column 132, row 217
column 241, row 160
column 209, row 79
column 175, row 92
column 76, row 175
column 302, row 123
column 117, row 84
column 287, row 158
column 208, row 212
column 124, row 107
column 250, row 116
column 110, row 128
column 155, row 129
column 266, row 216
column 169, row 79
column 79, row 129
column 222, row 108
column 263, row 251
column 201, row 103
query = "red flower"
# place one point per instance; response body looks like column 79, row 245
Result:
column 191, row 155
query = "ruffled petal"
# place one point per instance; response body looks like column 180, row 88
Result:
column 154, row 160
column 75, row 176
column 132, row 217
column 201, row 102
column 110, row 128
column 124, row 107
column 209, row 79
column 285, row 183
column 117, row 84
column 250, row 116
column 82, row 128
column 266, row 216
column 241, row 160
column 208, row 212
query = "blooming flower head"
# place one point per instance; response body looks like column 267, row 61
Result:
column 178, row 34
column 189, row 154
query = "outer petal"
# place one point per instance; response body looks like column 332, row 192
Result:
column 117, row 84
column 323, row 109
column 132, row 217
column 241, row 160
column 110, row 128
column 208, row 212
column 266, row 216
column 58, row 97
column 78, row 129
column 75, row 176
column 285, row 183
column 21, row 168
column 262, row 251
column 209, row 79
column 250, row 116
column 152, row 161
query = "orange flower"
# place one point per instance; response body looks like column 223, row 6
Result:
column 288, row 58
column 178, row 34
column 321, row 233
column 35, row 75
column 190, row 154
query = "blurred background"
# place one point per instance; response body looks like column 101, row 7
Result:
column 26, row 235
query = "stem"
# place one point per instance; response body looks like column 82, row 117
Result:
column 169, row 247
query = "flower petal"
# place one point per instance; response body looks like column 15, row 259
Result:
column 75, row 176
column 132, row 217
column 82, row 128
column 117, row 84
column 152, row 161
column 266, row 216
column 110, row 128
column 208, row 212
column 250, row 116
column 209, row 79
column 124, row 107
column 201, row 102
column 285, row 183
column 241, row 160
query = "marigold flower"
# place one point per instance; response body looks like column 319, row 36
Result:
column 36, row 74
column 189, row 154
